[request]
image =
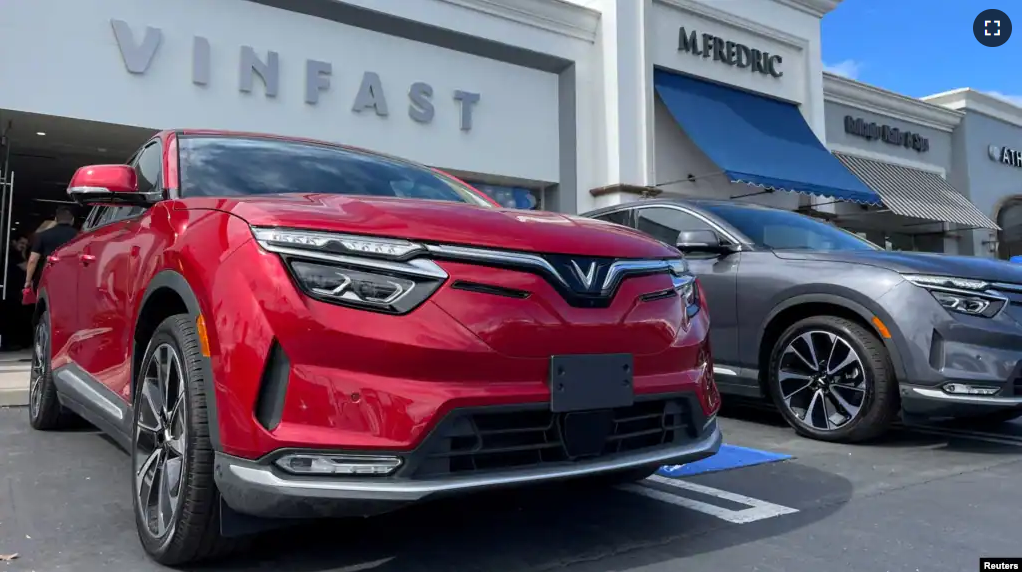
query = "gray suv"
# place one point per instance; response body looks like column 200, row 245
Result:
column 841, row 334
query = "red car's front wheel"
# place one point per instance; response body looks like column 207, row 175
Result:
column 175, row 498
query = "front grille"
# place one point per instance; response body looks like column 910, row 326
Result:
column 482, row 441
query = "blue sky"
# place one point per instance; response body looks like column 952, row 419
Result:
column 922, row 47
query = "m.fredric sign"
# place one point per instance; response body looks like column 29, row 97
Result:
column 730, row 53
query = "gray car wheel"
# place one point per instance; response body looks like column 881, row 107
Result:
column 832, row 380
column 45, row 412
column 177, row 510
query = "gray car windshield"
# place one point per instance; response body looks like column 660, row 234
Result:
column 230, row 166
column 784, row 230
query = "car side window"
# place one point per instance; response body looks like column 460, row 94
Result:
column 148, row 166
column 106, row 214
column 664, row 224
column 92, row 218
column 617, row 217
column 100, row 216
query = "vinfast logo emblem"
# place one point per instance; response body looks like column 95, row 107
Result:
column 587, row 277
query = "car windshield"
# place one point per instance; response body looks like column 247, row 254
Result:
column 221, row 166
column 785, row 230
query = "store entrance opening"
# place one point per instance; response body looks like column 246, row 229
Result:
column 38, row 156
column 898, row 232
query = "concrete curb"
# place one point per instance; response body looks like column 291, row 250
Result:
column 14, row 397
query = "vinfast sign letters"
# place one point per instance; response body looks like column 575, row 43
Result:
column 138, row 57
column 890, row 135
column 731, row 53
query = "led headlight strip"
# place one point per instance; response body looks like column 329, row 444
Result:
column 393, row 275
column 962, row 295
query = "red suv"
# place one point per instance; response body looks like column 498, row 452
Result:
column 276, row 327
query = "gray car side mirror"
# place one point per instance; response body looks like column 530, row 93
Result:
column 702, row 241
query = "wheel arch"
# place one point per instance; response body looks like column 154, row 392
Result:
column 803, row 306
column 169, row 294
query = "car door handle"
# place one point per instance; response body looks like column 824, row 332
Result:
column 87, row 259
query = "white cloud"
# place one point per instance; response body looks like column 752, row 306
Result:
column 1013, row 99
column 848, row 68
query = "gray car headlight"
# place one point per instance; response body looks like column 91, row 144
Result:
column 364, row 272
column 961, row 295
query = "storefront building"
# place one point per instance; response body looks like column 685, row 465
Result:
column 901, row 148
column 497, row 93
column 987, row 167
column 544, row 104
column 726, row 102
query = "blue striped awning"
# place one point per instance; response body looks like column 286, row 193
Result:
column 757, row 140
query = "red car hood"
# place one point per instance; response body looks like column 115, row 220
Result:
column 443, row 222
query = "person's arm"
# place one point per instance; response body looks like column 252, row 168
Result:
column 33, row 261
column 33, row 258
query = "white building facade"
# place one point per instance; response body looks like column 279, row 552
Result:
column 756, row 51
column 557, row 99
column 493, row 91
column 904, row 149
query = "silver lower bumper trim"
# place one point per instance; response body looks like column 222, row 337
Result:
column 240, row 478
column 934, row 393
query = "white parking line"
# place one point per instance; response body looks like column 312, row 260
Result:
column 758, row 509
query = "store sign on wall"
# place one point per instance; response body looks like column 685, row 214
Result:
column 891, row 135
column 728, row 52
column 138, row 56
column 1005, row 155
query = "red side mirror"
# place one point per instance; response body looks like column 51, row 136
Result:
column 104, row 179
column 106, row 184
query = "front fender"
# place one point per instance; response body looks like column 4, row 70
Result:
column 176, row 282
column 849, row 299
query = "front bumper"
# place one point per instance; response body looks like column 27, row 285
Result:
column 259, row 488
column 935, row 402
column 940, row 351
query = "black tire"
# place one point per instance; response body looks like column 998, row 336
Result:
column 193, row 532
column 45, row 412
column 880, row 404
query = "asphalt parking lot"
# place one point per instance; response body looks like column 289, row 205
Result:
column 916, row 501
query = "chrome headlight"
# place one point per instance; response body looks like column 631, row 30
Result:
column 961, row 295
column 356, row 271
column 685, row 285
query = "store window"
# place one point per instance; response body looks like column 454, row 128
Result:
column 1009, row 238
column 511, row 197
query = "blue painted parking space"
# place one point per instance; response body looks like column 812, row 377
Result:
column 729, row 457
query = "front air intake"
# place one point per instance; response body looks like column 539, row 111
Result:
column 269, row 407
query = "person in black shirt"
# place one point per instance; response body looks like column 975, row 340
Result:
column 13, row 333
column 46, row 242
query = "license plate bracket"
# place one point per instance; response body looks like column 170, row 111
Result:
column 591, row 381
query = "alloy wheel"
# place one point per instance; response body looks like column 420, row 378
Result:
column 160, row 441
column 822, row 380
column 40, row 352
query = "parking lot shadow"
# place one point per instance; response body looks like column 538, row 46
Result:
column 538, row 528
column 962, row 436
